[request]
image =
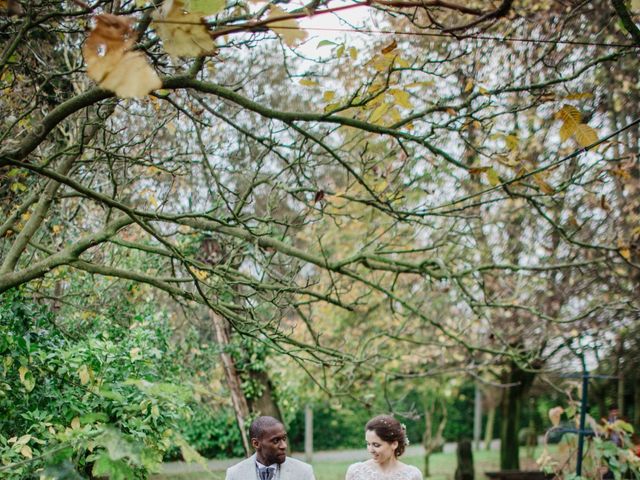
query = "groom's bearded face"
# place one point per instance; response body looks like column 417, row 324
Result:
column 271, row 447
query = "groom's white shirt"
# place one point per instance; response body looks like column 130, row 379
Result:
column 291, row 469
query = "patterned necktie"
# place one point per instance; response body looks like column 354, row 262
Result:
column 266, row 473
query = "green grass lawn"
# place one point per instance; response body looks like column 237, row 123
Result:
column 443, row 466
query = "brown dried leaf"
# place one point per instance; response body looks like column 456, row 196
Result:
column 289, row 29
column 112, row 64
column 391, row 47
column 184, row 34
column 544, row 186
column 554, row 415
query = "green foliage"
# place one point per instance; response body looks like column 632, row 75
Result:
column 100, row 402
column 212, row 432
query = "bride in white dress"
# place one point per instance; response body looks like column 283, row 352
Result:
column 386, row 440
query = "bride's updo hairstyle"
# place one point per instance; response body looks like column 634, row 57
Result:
column 390, row 430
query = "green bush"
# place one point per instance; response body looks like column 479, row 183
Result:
column 97, row 402
column 213, row 433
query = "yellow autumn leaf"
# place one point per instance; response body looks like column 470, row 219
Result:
column 328, row 95
column 378, row 113
column 569, row 113
column 75, row 423
column 56, row 229
column 571, row 118
column 200, row 274
column 492, row 177
column 17, row 187
column 353, row 53
column 289, row 29
column 309, row 83
column 579, row 96
column 401, row 97
column 395, row 114
column 134, row 354
column 469, row 86
column 625, row 252
column 566, row 130
column 585, row 135
column 331, row 107
column 420, row 84
column 512, row 141
column 385, row 62
column 183, row 33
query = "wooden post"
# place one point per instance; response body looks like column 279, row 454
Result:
column 308, row 433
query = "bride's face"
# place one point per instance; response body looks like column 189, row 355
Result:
column 380, row 451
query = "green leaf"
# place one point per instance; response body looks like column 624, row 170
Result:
column 189, row 453
column 94, row 417
column 110, row 394
column 27, row 379
column 63, row 470
column 325, row 43
column 113, row 469
column 206, row 7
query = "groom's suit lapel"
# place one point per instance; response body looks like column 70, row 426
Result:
column 286, row 470
column 249, row 468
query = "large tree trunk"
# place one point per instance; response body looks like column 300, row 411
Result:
column 266, row 403
column 519, row 382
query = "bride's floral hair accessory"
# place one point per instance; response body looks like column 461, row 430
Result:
column 390, row 430
column 404, row 430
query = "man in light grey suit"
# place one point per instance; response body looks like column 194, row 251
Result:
column 270, row 462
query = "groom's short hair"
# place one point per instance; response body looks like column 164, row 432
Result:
column 260, row 424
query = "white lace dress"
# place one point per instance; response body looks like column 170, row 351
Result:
column 364, row 471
